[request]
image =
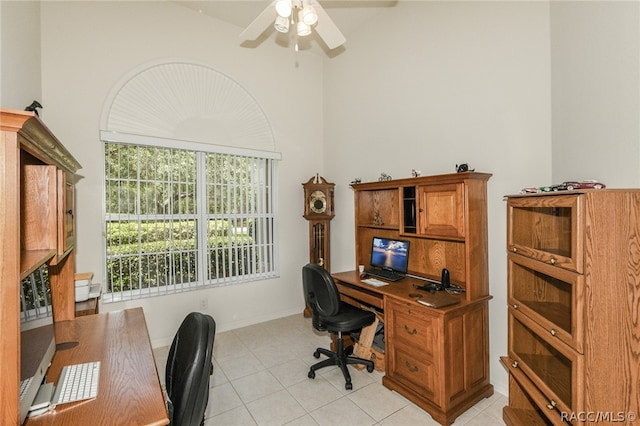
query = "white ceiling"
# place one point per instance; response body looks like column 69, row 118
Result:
column 348, row 15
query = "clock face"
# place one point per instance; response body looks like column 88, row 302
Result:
column 318, row 202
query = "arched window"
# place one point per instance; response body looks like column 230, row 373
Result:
column 190, row 183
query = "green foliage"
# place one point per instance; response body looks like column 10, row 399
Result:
column 164, row 253
column 160, row 183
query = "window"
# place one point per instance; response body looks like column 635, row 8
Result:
column 179, row 219
column 35, row 296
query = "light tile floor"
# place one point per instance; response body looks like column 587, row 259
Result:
column 260, row 378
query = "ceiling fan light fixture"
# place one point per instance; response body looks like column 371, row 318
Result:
column 302, row 28
column 309, row 15
column 284, row 7
column 282, row 24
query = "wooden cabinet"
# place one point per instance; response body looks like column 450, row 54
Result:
column 437, row 358
column 31, row 162
column 408, row 327
column 443, row 216
column 441, row 210
column 573, row 287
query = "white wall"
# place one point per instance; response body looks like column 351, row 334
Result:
column 20, row 54
column 89, row 46
column 427, row 85
column 596, row 91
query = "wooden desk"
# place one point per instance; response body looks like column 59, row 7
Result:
column 437, row 358
column 129, row 390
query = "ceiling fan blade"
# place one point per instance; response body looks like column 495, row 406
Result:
column 260, row 24
column 326, row 29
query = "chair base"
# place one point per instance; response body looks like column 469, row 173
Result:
column 342, row 358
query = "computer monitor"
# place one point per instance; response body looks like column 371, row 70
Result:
column 390, row 254
column 37, row 337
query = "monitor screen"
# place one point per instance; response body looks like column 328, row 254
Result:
column 390, row 254
column 37, row 338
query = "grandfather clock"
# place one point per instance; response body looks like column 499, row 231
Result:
column 318, row 210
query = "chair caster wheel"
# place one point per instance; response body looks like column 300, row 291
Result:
column 312, row 374
column 369, row 369
column 316, row 354
column 348, row 386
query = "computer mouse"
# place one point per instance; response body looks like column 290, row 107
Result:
column 364, row 275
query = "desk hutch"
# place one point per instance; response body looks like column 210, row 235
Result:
column 573, row 294
column 437, row 358
column 37, row 178
column 37, row 227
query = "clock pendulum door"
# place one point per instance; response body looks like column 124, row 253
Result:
column 319, row 243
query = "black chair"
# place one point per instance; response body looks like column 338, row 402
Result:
column 188, row 369
column 329, row 313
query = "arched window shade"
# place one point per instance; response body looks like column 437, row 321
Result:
column 188, row 102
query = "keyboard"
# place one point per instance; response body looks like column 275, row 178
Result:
column 24, row 384
column 374, row 282
column 76, row 383
column 384, row 274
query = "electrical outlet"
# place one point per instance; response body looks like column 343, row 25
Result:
column 204, row 304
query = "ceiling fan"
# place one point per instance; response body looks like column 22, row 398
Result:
column 299, row 16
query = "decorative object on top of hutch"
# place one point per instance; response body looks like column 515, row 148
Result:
column 436, row 357
column 573, row 294
column 37, row 178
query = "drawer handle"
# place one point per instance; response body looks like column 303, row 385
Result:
column 414, row 331
column 514, row 249
column 514, row 364
column 553, row 332
column 553, row 261
column 551, row 405
column 413, row 369
column 515, row 306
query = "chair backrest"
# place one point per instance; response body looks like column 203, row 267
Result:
column 188, row 369
column 320, row 291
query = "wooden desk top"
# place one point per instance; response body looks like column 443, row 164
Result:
column 129, row 390
column 350, row 284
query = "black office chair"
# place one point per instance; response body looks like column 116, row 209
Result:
column 188, row 369
column 329, row 313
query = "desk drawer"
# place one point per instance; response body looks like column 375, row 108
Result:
column 410, row 325
column 414, row 371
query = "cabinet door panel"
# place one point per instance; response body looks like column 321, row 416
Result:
column 441, row 210
column 527, row 405
column 550, row 364
column 553, row 297
column 66, row 214
column 547, row 229
column 38, row 208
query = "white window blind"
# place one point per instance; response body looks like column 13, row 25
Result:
column 181, row 219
